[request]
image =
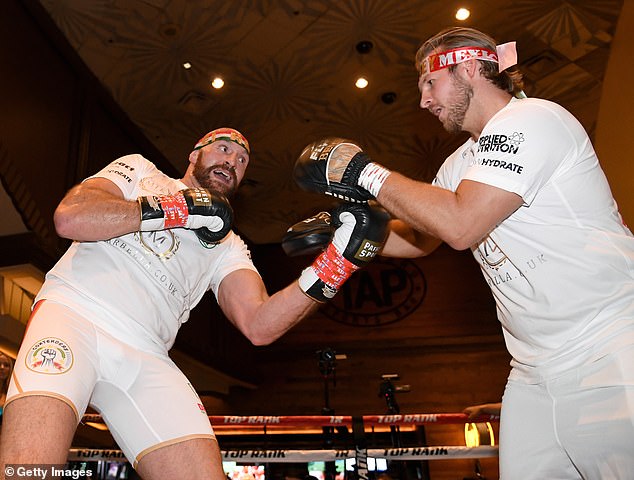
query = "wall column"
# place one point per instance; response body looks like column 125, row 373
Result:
column 614, row 141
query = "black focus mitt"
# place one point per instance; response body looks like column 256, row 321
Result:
column 309, row 236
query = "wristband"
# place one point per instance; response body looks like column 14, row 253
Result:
column 323, row 279
column 163, row 212
column 332, row 268
column 175, row 209
column 372, row 177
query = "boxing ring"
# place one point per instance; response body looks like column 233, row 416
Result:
column 360, row 450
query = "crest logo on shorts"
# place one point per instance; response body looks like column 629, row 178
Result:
column 50, row 355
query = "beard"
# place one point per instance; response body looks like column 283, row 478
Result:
column 457, row 111
column 205, row 178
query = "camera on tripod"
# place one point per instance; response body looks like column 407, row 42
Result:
column 327, row 361
column 387, row 389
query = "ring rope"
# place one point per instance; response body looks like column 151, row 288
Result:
column 335, row 420
column 282, row 456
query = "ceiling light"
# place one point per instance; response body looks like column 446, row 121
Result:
column 187, row 65
column 169, row 30
column 364, row 46
column 361, row 82
column 388, row 97
column 462, row 14
column 217, row 83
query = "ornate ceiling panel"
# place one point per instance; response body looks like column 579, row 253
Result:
column 289, row 68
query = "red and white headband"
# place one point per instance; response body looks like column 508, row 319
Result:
column 505, row 56
column 228, row 134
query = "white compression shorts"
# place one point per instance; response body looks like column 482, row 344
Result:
column 577, row 426
column 143, row 397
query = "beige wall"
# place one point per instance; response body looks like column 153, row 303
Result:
column 616, row 115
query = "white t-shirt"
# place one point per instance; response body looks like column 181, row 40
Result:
column 145, row 283
column 561, row 268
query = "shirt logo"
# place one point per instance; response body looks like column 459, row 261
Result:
column 500, row 143
column 162, row 243
column 491, row 254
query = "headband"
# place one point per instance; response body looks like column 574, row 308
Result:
column 228, row 134
column 505, row 56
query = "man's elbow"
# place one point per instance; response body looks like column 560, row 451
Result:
column 258, row 337
column 259, row 340
column 459, row 244
column 461, row 239
column 63, row 223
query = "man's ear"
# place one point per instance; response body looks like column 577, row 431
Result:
column 193, row 157
column 471, row 67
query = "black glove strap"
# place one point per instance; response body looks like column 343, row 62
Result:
column 353, row 170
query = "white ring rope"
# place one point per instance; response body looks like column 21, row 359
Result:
column 281, row 456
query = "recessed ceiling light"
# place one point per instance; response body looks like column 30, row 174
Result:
column 364, row 46
column 361, row 82
column 462, row 14
column 187, row 65
column 169, row 30
column 388, row 97
column 217, row 83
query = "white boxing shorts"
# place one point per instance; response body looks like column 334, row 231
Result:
column 144, row 399
column 577, row 426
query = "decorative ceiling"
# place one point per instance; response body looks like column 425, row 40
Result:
column 289, row 68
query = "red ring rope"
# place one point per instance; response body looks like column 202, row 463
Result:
column 335, row 420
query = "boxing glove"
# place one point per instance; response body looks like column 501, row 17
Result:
column 207, row 237
column 339, row 167
column 360, row 232
column 192, row 208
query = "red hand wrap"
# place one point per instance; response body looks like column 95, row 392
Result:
column 332, row 268
column 175, row 210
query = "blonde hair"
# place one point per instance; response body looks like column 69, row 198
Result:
column 5, row 383
column 509, row 80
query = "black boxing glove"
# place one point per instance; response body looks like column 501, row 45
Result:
column 207, row 237
column 361, row 231
column 192, row 208
column 309, row 236
column 339, row 167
